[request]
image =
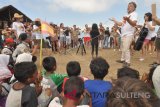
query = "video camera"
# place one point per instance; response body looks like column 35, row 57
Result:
column 80, row 39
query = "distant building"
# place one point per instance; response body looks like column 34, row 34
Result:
column 6, row 15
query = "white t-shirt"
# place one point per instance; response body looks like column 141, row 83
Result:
column 56, row 103
column 61, row 34
column 18, row 27
column 86, row 33
column 126, row 28
column 37, row 33
column 35, row 27
column 151, row 34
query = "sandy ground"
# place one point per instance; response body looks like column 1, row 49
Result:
column 109, row 54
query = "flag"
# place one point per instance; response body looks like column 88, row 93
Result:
column 47, row 29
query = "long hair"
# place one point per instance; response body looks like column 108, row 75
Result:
column 149, row 15
column 61, row 25
column 94, row 27
column 37, row 23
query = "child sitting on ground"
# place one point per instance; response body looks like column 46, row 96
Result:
column 98, row 88
column 129, row 72
column 72, row 95
column 131, row 92
column 21, row 93
column 73, row 69
column 50, row 78
column 8, row 48
column 5, row 75
column 148, row 77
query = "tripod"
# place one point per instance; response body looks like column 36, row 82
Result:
column 81, row 45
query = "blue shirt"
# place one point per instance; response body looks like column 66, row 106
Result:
column 98, row 90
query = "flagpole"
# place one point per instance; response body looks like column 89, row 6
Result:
column 40, row 54
column 45, row 29
column 40, row 63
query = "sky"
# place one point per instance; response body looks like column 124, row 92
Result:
column 80, row 12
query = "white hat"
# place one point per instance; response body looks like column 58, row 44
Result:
column 24, row 57
column 16, row 15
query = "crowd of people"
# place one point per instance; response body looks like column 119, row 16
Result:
column 49, row 89
column 63, row 38
column 95, row 36
column 21, row 85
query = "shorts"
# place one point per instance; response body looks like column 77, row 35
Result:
column 146, row 41
column 87, row 39
column 157, row 43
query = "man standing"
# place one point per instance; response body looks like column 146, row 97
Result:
column 127, row 32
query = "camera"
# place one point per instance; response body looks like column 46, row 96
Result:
column 80, row 40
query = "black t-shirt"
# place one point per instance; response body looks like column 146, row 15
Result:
column 94, row 34
column 29, row 97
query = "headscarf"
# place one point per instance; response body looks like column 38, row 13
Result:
column 4, row 71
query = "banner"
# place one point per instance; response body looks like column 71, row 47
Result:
column 47, row 29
